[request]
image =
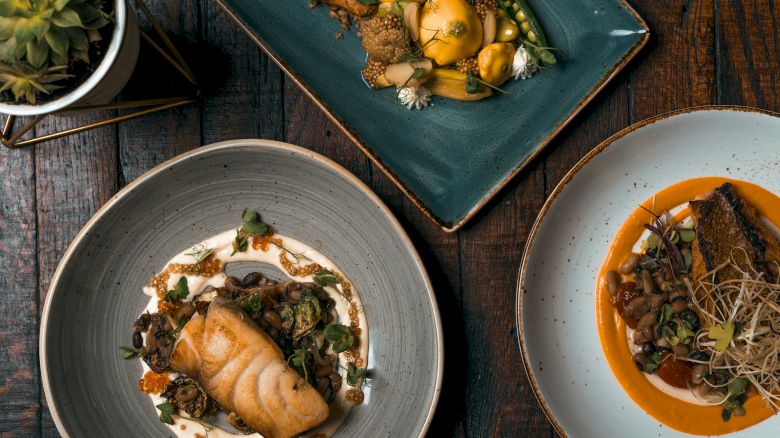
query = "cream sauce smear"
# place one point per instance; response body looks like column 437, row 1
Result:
column 221, row 246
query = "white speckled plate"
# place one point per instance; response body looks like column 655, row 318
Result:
column 568, row 243
column 96, row 294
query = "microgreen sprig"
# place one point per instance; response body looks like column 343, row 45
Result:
column 341, row 336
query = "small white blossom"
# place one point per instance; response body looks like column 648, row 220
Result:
column 414, row 97
column 524, row 65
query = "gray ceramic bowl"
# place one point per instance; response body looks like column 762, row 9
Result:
column 96, row 291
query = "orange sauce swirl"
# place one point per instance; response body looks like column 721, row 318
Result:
column 673, row 412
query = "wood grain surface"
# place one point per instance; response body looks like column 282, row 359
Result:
column 701, row 52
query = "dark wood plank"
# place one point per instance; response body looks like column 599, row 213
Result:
column 499, row 401
column 247, row 101
column 150, row 140
column 75, row 175
column 19, row 376
column 678, row 70
column 749, row 56
column 440, row 254
column 306, row 125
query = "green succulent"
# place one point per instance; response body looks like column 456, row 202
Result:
column 49, row 32
column 26, row 82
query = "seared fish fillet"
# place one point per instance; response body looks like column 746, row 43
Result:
column 186, row 356
column 245, row 371
column 726, row 225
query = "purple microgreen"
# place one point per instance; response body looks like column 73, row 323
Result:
column 675, row 256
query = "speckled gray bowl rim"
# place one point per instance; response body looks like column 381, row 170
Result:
column 260, row 144
column 548, row 204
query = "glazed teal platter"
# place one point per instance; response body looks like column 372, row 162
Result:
column 450, row 158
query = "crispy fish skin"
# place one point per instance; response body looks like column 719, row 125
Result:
column 244, row 371
column 727, row 226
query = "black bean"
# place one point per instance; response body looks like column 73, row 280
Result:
column 612, row 281
column 628, row 264
column 648, row 348
column 138, row 340
column 680, row 350
column 679, row 305
column 335, row 381
column 252, row 279
column 699, row 355
column 274, row 319
column 640, row 359
column 323, row 371
column 648, row 284
column 142, row 323
column 692, row 318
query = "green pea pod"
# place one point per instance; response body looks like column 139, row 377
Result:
column 532, row 32
column 528, row 16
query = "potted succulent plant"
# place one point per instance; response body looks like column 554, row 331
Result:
column 59, row 53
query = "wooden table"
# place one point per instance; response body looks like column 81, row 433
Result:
column 702, row 52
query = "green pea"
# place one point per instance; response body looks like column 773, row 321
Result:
column 520, row 16
column 515, row 7
column 525, row 27
column 507, row 3
column 531, row 36
column 506, row 31
column 547, row 57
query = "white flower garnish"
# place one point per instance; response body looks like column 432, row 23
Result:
column 524, row 65
column 414, row 97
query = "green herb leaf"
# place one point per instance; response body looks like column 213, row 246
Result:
column 341, row 336
column 241, row 243
column 250, row 304
column 299, row 361
column 166, row 408
column 685, row 332
column 325, row 278
column 473, row 85
column 307, row 313
column 735, row 398
column 369, row 2
column 128, row 352
column 166, row 418
column 654, row 359
column 354, row 375
column 288, row 318
column 722, row 335
column 253, row 225
column 180, row 291
column 665, row 314
column 687, row 234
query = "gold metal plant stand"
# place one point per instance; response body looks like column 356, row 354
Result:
column 11, row 139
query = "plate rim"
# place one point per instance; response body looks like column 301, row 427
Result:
column 551, row 199
column 489, row 195
column 229, row 144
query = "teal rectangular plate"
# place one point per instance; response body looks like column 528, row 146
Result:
column 451, row 158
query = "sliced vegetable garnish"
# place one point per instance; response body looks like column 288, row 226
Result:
column 307, row 314
column 722, row 334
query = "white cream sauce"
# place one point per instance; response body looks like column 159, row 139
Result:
column 222, row 247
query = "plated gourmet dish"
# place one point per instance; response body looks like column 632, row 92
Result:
column 223, row 355
column 457, row 49
column 687, row 305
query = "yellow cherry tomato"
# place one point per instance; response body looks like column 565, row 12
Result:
column 495, row 63
column 449, row 30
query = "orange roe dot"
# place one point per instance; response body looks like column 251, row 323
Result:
column 153, row 383
column 355, row 396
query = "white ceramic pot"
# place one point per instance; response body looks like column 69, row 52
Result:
column 110, row 76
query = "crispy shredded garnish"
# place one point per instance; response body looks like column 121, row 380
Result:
column 752, row 305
